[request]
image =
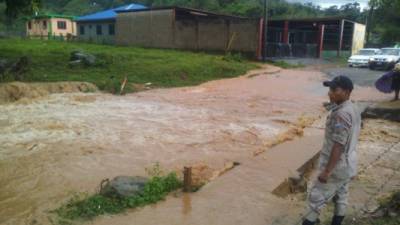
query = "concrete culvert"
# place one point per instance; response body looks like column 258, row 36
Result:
column 386, row 110
column 382, row 113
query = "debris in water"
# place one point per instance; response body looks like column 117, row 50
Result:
column 15, row 91
column 296, row 130
column 32, row 147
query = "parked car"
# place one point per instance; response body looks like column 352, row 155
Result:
column 362, row 57
column 386, row 59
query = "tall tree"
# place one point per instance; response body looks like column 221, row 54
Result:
column 386, row 20
column 16, row 7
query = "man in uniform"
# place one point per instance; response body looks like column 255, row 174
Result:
column 338, row 158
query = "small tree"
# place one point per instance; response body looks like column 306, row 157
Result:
column 17, row 7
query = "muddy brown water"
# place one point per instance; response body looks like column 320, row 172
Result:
column 55, row 146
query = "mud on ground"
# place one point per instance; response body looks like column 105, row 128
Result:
column 64, row 143
column 379, row 154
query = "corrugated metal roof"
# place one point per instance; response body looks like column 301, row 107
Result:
column 109, row 14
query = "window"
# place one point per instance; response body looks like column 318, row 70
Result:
column 29, row 25
column 44, row 24
column 390, row 51
column 366, row 52
column 62, row 25
column 99, row 30
column 111, row 29
column 82, row 30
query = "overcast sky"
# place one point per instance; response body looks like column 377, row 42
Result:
column 328, row 3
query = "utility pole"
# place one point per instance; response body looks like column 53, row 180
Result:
column 369, row 20
column 265, row 31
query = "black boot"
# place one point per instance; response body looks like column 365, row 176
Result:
column 307, row 222
column 337, row 220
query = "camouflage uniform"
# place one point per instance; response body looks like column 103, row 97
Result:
column 342, row 126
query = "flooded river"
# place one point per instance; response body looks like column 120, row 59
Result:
column 55, row 146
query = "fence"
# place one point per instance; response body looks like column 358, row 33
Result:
column 291, row 50
column 304, row 42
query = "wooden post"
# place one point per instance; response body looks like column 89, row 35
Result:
column 173, row 25
column 260, row 48
column 187, row 179
column 123, row 85
column 321, row 30
column 197, row 33
column 285, row 36
column 341, row 28
column 265, row 31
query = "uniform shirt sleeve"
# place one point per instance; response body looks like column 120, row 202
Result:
column 341, row 128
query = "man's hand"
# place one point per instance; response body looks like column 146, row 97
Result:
column 334, row 158
column 323, row 177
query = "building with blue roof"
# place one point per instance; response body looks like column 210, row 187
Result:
column 100, row 26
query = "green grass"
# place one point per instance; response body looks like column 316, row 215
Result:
column 162, row 68
column 392, row 202
column 381, row 221
column 285, row 65
column 88, row 207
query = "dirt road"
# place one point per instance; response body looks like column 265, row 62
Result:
column 360, row 76
column 65, row 143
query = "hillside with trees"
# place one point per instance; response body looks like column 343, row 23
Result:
column 383, row 18
column 250, row 8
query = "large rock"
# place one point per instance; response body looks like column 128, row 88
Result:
column 78, row 57
column 124, row 186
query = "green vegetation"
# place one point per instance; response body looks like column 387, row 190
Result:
column 235, row 57
column 250, row 8
column 382, row 15
column 390, row 208
column 285, row 65
column 384, row 20
column 163, row 68
column 381, row 221
column 16, row 7
column 389, row 211
column 88, row 207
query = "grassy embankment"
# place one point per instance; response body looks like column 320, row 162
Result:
column 163, row 68
column 81, row 208
column 389, row 204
